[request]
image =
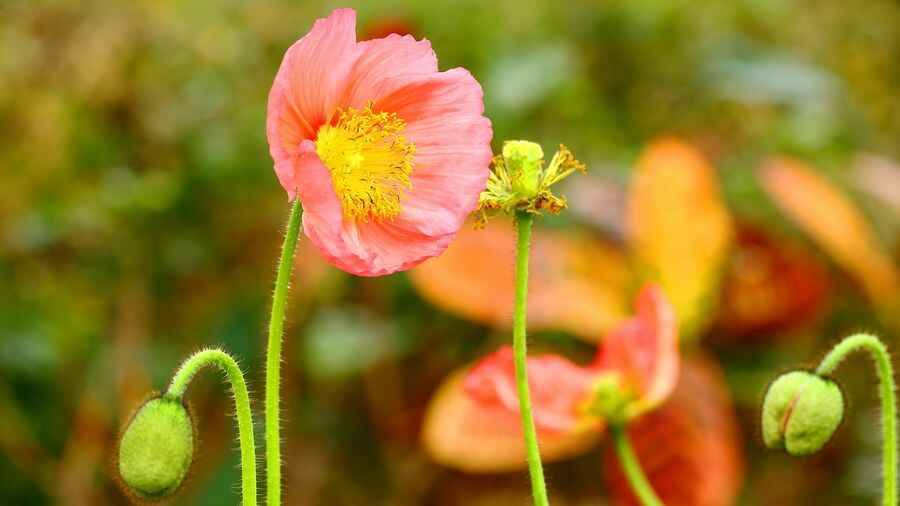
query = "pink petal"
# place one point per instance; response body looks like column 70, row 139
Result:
column 363, row 249
column 322, row 212
column 444, row 119
column 450, row 171
column 462, row 433
column 558, row 387
column 393, row 248
column 644, row 349
column 326, row 71
column 309, row 83
column 382, row 65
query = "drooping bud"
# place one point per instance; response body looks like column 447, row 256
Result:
column 801, row 411
column 156, row 449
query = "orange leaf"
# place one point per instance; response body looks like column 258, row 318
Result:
column 679, row 228
column 690, row 449
column 835, row 223
column 463, row 434
column 577, row 283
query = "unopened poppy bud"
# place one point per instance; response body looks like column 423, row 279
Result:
column 801, row 412
column 156, row 449
column 523, row 160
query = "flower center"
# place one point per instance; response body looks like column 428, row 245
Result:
column 370, row 162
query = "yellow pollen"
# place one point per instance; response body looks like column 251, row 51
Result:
column 370, row 162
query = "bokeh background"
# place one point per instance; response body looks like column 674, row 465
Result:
column 140, row 220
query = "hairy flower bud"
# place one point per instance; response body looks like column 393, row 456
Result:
column 801, row 412
column 156, row 449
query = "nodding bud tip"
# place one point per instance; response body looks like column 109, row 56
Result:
column 156, row 449
column 801, row 411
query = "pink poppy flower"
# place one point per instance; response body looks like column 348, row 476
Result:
column 638, row 361
column 387, row 155
column 676, row 443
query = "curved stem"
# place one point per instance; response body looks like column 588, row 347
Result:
column 524, row 223
column 632, row 468
column 223, row 361
column 885, row 372
column 273, row 357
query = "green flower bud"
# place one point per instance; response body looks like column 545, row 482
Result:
column 801, row 412
column 523, row 160
column 156, row 449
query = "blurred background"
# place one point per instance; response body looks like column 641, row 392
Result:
column 742, row 153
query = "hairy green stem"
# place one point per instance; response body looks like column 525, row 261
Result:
column 223, row 361
column 524, row 222
column 885, row 372
column 273, row 357
column 632, row 468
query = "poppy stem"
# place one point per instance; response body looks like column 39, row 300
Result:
column 273, row 357
column 232, row 370
column 885, row 372
column 633, row 472
column 524, row 222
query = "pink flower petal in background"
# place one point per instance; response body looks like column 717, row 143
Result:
column 464, row 434
column 578, row 283
column 558, row 387
column 644, row 349
column 690, row 448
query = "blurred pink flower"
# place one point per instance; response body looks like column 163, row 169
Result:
column 690, row 448
column 639, row 359
column 387, row 155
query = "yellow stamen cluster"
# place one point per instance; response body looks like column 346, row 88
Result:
column 370, row 162
column 520, row 182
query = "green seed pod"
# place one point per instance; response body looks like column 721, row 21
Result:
column 801, row 412
column 523, row 160
column 156, row 449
